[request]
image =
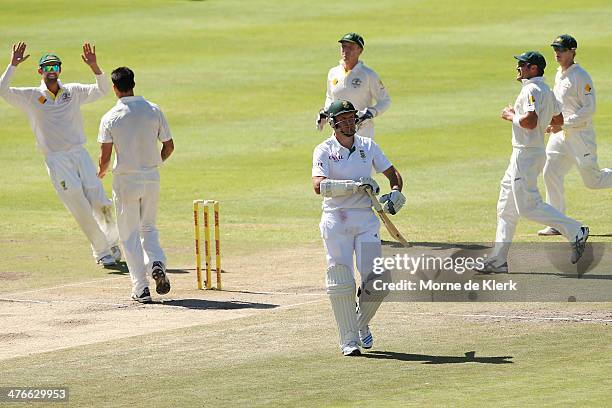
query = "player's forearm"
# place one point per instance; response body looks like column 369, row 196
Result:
column 581, row 116
column 167, row 149
column 5, row 80
column 395, row 178
column 526, row 121
column 103, row 167
column 95, row 69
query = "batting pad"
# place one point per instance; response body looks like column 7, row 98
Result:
column 370, row 299
column 341, row 290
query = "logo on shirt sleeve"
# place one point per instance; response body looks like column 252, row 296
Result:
column 587, row 89
column 42, row 100
column 531, row 100
column 335, row 81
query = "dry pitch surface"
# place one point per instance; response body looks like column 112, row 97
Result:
column 269, row 339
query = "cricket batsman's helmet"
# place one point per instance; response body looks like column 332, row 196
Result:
column 339, row 107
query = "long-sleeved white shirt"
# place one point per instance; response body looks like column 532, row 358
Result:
column 56, row 120
column 361, row 86
column 575, row 93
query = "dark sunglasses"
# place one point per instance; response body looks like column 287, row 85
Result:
column 523, row 64
column 50, row 68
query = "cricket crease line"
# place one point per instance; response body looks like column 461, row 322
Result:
column 252, row 292
column 565, row 318
column 118, row 305
column 63, row 286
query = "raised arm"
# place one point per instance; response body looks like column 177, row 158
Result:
column 93, row 92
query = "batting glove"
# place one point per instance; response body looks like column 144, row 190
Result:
column 369, row 182
column 393, row 202
column 321, row 119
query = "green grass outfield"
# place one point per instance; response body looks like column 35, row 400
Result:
column 240, row 83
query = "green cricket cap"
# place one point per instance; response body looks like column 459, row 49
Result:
column 532, row 57
column 565, row 41
column 354, row 38
column 339, row 107
column 49, row 58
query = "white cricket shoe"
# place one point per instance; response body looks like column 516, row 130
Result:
column 548, row 232
column 107, row 260
column 493, row 265
column 351, row 349
column 116, row 253
column 365, row 338
column 579, row 244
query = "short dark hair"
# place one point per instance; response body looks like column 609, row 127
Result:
column 123, row 79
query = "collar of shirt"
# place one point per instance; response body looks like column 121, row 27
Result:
column 567, row 71
column 126, row 99
column 352, row 150
column 43, row 89
column 532, row 80
column 357, row 66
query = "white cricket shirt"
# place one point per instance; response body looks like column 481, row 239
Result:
column 56, row 120
column 575, row 93
column 134, row 126
column 334, row 161
column 535, row 96
column 361, row 86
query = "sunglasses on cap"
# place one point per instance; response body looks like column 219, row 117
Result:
column 523, row 64
column 50, row 68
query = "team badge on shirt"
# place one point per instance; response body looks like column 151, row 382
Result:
column 42, row 100
column 531, row 100
column 362, row 154
column 356, row 83
column 587, row 89
column 65, row 96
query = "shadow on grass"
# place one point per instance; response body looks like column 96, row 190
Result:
column 122, row 269
column 204, row 304
column 469, row 357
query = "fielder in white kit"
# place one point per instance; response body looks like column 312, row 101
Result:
column 54, row 113
column 135, row 127
column 341, row 171
column 573, row 142
column 357, row 83
column 535, row 108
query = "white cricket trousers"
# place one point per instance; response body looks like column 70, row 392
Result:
column 74, row 178
column 519, row 196
column 136, row 196
column 349, row 232
column 564, row 149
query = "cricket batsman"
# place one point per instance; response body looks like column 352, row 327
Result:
column 341, row 171
column 357, row 83
column 54, row 112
